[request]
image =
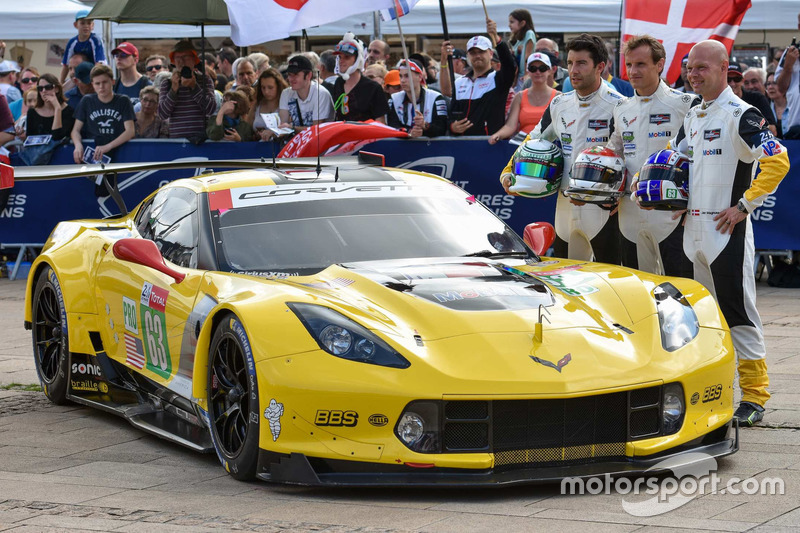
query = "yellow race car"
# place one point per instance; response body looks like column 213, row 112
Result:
column 374, row 326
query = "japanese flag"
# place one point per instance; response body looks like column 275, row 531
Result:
column 680, row 24
column 259, row 21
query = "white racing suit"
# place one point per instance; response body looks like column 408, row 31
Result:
column 723, row 141
column 579, row 123
column 652, row 241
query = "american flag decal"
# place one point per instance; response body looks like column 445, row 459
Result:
column 134, row 351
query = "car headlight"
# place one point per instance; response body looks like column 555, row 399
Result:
column 676, row 318
column 345, row 338
column 672, row 408
column 418, row 427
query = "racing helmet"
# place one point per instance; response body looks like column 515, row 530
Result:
column 664, row 181
column 597, row 176
column 537, row 167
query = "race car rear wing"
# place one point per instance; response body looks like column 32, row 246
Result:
column 53, row 172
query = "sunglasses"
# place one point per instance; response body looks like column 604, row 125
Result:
column 735, row 80
column 121, row 55
column 149, row 101
column 534, row 68
column 29, row 80
column 154, row 67
column 48, row 87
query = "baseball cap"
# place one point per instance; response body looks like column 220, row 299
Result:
column 82, row 14
column 458, row 53
column 83, row 71
column 9, row 66
column 479, row 41
column 685, row 59
column 126, row 48
column 299, row 64
column 734, row 71
column 539, row 56
column 392, row 77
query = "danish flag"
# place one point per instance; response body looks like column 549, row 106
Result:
column 680, row 24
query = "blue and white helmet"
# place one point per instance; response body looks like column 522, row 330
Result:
column 664, row 181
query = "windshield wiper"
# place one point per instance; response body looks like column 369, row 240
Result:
column 494, row 254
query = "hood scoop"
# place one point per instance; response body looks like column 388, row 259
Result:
column 464, row 285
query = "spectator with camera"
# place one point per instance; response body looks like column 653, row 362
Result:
column 787, row 76
column 230, row 123
column 188, row 96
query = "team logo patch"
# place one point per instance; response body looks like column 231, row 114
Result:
column 771, row 148
column 378, row 420
column 566, row 124
column 710, row 135
column 713, row 151
column 629, row 122
column 627, row 136
column 598, row 124
column 755, row 124
column 660, row 118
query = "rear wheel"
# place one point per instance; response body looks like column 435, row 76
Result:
column 50, row 341
column 233, row 406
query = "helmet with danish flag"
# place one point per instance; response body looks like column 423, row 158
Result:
column 597, row 176
column 664, row 181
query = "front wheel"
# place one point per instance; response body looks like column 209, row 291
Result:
column 50, row 341
column 233, row 407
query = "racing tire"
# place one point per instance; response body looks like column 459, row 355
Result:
column 50, row 338
column 233, row 406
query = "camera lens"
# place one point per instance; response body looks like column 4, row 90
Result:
column 186, row 72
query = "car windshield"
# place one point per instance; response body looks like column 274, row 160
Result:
column 302, row 229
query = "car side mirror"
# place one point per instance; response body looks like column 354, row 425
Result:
column 539, row 236
column 144, row 252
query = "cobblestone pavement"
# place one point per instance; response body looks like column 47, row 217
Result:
column 70, row 468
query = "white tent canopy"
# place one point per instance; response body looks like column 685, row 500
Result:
column 52, row 19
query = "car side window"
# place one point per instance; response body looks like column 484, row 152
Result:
column 142, row 220
column 172, row 224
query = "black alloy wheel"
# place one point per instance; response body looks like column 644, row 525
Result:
column 50, row 339
column 232, row 397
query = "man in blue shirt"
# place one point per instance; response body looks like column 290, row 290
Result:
column 130, row 82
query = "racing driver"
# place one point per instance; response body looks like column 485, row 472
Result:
column 643, row 124
column 723, row 137
column 580, row 119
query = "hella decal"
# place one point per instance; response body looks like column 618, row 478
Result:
column 378, row 420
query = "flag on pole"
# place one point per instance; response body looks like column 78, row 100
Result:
column 259, row 21
column 680, row 24
column 400, row 8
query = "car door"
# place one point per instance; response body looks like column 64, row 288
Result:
column 146, row 311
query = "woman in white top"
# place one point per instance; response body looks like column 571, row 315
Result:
column 268, row 95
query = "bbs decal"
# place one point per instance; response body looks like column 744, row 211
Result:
column 712, row 393
column 325, row 417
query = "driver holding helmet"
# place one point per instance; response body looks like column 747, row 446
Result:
column 652, row 240
column 579, row 119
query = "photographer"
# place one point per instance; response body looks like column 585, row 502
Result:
column 188, row 96
column 787, row 76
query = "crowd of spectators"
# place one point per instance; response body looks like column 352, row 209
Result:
column 500, row 87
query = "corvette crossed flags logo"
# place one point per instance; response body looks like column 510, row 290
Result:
column 555, row 366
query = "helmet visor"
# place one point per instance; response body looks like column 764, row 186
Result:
column 594, row 173
column 532, row 169
column 656, row 171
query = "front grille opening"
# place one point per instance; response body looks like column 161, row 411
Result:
column 466, row 410
column 473, row 436
column 645, row 397
column 645, row 423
